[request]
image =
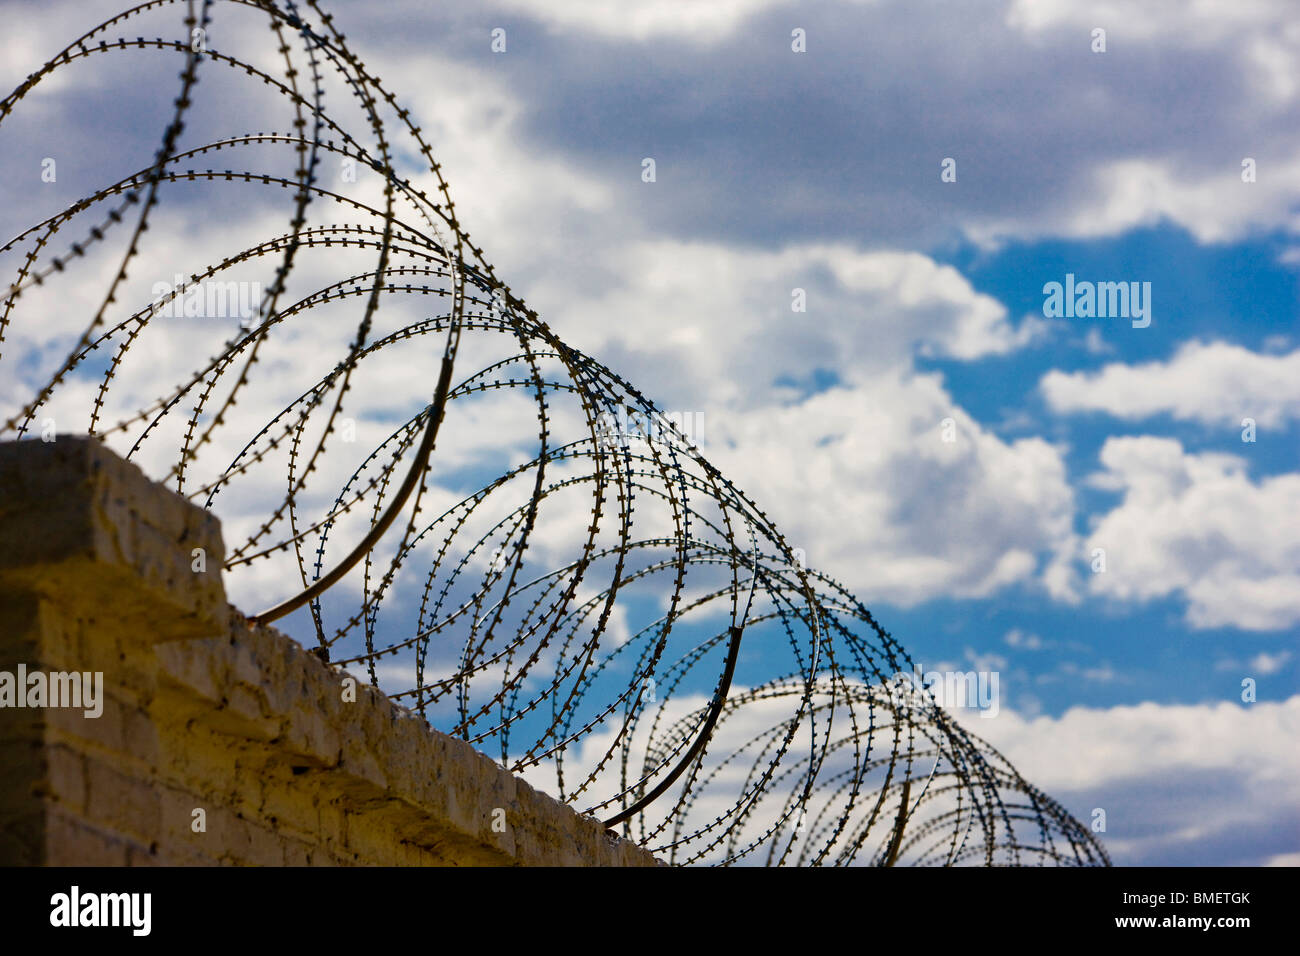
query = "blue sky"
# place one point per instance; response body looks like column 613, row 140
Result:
column 820, row 170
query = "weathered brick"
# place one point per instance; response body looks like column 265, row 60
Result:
column 71, row 841
column 67, row 777
column 202, row 710
column 121, row 801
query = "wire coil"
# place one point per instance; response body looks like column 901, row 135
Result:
column 503, row 534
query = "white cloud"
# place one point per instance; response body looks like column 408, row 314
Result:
column 645, row 19
column 1214, row 383
column 986, row 662
column 1018, row 638
column 1267, row 663
column 1214, row 207
column 862, row 480
column 1262, row 663
column 1195, row 525
column 1123, row 194
column 1203, row 21
column 1255, row 42
column 1095, row 344
column 858, row 475
column 713, row 323
column 1227, row 775
column 1262, row 33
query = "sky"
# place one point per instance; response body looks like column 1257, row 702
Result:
column 842, row 266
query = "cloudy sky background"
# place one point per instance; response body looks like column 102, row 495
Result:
column 820, row 171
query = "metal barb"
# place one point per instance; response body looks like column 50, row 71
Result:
column 540, row 561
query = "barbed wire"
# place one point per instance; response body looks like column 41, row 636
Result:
column 593, row 603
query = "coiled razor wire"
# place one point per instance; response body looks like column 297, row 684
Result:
column 589, row 601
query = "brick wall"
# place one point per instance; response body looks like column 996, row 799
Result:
column 218, row 742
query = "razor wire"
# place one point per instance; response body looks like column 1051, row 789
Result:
column 531, row 555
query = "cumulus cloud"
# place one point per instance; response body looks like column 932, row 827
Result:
column 1051, row 141
column 1213, row 383
column 863, row 480
column 1196, row 526
column 711, row 329
column 1181, row 785
column 1262, row 663
column 644, row 19
column 685, row 287
column 1213, row 205
column 826, row 401
column 1261, row 36
column 1018, row 638
column 1206, row 21
column 714, row 322
column 702, row 326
